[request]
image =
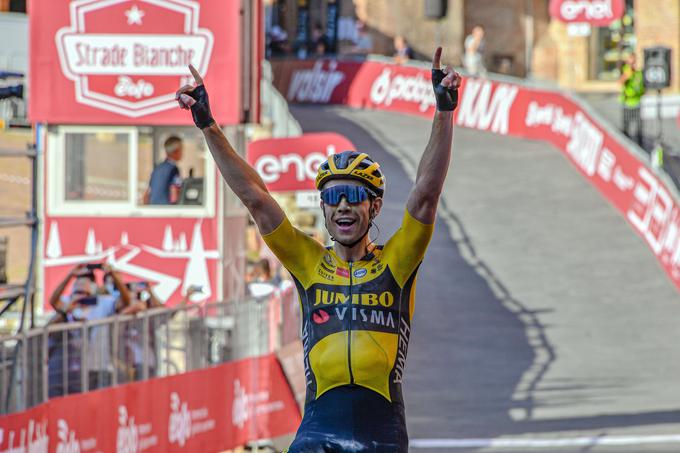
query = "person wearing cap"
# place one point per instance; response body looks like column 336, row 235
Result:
column 357, row 297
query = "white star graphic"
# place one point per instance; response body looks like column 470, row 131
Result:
column 134, row 15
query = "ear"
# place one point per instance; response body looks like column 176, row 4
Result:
column 376, row 206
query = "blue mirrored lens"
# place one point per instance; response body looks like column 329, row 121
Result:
column 353, row 194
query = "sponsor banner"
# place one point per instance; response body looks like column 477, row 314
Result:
column 172, row 254
column 598, row 13
column 25, row 432
column 120, row 62
column 206, row 410
column 507, row 109
column 290, row 164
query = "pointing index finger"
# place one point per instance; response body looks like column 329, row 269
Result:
column 197, row 76
column 436, row 60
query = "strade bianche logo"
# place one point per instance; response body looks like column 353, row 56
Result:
column 131, row 71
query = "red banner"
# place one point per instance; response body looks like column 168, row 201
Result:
column 598, row 13
column 207, row 410
column 120, row 62
column 171, row 253
column 289, row 164
column 507, row 109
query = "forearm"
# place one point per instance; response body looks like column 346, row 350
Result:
column 434, row 163
column 238, row 174
column 55, row 298
column 122, row 289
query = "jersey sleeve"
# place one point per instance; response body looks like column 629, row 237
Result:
column 405, row 250
column 298, row 252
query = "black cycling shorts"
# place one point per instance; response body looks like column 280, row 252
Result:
column 351, row 419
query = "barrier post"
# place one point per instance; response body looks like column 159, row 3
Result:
column 84, row 362
column 45, row 366
column 114, row 349
column 145, row 346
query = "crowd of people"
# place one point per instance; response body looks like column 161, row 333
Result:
column 360, row 44
column 93, row 292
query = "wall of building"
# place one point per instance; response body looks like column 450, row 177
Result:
column 389, row 18
column 658, row 23
column 521, row 31
column 505, row 24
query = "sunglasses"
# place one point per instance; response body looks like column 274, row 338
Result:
column 354, row 194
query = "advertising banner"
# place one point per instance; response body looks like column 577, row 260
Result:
column 506, row 109
column 598, row 13
column 121, row 61
column 213, row 409
column 290, row 164
column 171, row 253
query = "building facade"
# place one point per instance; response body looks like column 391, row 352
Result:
column 521, row 37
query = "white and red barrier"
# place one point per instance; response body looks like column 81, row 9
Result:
column 507, row 109
column 213, row 409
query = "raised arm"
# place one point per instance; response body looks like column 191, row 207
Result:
column 125, row 299
column 238, row 174
column 55, row 298
column 434, row 164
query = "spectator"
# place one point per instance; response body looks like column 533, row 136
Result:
column 474, row 52
column 84, row 304
column 364, row 42
column 261, row 281
column 144, row 299
column 632, row 89
column 402, row 51
column 278, row 42
column 166, row 182
column 319, row 43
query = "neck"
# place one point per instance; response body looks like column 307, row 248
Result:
column 354, row 253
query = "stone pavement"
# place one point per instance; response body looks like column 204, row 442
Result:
column 540, row 313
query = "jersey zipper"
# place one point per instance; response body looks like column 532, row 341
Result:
column 349, row 332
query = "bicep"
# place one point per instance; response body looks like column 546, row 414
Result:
column 267, row 214
column 422, row 205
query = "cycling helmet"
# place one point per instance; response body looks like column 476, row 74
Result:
column 352, row 165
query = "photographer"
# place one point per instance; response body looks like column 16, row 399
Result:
column 85, row 304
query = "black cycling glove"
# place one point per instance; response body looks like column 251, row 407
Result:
column 200, row 111
column 447, row 97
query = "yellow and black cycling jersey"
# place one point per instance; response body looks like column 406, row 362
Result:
column 356, row 316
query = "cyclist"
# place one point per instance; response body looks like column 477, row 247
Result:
column 357, row 298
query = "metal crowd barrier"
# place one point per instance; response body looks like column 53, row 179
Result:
column 66, row 358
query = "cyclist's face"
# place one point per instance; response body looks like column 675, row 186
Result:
column 348, row 222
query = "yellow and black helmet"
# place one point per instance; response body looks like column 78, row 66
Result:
column 352, row 165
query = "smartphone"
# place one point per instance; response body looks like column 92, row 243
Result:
column 92, row 300
column 137, row 286
column 93, row 266
column 196, row 288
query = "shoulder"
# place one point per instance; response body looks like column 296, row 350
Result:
column 107, row 303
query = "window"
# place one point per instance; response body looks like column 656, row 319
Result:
column 610, row 46
column 106, row 171
column 191, row 165
column 17, row 6
column 96, row 166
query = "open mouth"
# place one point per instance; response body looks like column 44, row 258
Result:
column 345, row 224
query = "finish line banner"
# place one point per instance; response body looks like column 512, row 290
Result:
column 506, row 109
column 213, row 409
